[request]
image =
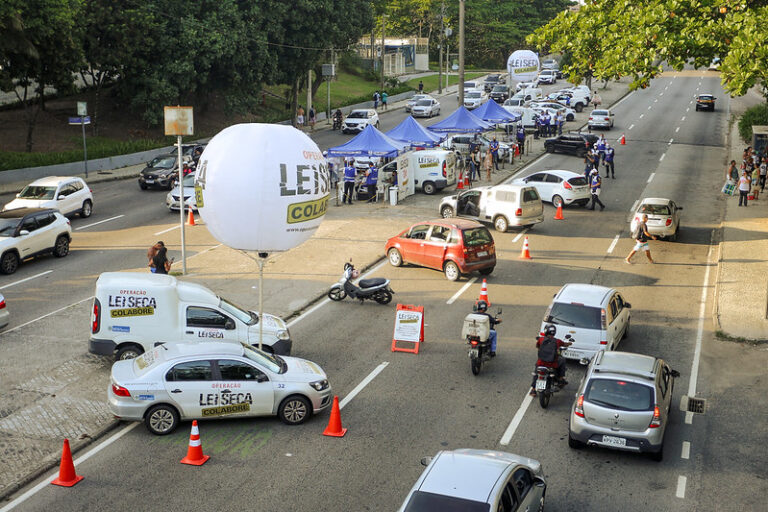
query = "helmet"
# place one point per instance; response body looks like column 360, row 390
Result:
column 482, row 306
column 550, row 330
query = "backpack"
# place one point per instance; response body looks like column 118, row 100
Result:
column 548, row 350
column 636, row 231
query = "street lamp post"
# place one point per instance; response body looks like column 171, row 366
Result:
column 461, row 52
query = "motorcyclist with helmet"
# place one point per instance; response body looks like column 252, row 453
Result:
column 549, row 355
column 482, row 309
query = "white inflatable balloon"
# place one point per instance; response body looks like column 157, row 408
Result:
column 523, row 66
column 262, row 187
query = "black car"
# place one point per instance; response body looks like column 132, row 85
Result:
column 500, row 93
column 490, row 82
column 574, row 143
column 160, row 172
column 705, row 102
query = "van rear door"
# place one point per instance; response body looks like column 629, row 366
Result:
column 531, row 203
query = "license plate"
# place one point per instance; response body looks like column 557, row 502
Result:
column 541, row 385
column 482, row 253
column 571, row 354
column 149, row 181
column 614, row 441
column 473, row 352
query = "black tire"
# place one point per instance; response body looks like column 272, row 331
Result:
column 294, row 410
column 659, row 455
column 142, row 186
column 573, row 443
column 549, row 148
column 383, row 297
column 395, row 258
column 584, row 203
column 128, row 352
column 557, row 201
column 501, row 224
column 579, row 107
column 451, row 270
column 9, row 263
column 61, row 247
column 87, row 209
column 161, row 419
column 626, row 331
column 486, row 271
column 570, row 117
column 337, row 294
column 446, row 212
column 429, row 188
column 544, row 397
column 476, row 365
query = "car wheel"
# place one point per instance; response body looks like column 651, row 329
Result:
column 579, row 107
column 61, row 248
column 161, row 419
column 549, row 148
column 446, row 212
column 429, row 188
column 557, row 201
column 294, row 410
column 395, row 258
column 569, row 117
column 9, row 263
column 337, row 294
column 377, row 124
column 573, row 443
column 128, row 352
column 486, row 271
column 581, row 153
column 87, row 209
column 142, row 186
column 501, row 224
column 452, row 272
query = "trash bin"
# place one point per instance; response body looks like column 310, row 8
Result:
column 393, row 196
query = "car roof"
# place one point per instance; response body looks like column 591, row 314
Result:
column 15, row 213
column 587, row 294
column 206, row 349
column 53, row 180
column 625, row 363
column 560, row 173
column 454, row 222
column 363, row 110
column 655, row 200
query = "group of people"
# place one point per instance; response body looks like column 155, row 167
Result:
column 312, row 115
column 350, row 179
column 600, row 153
column 380, row 97
column 750, row 178
column 475, row 163
column 549, row 125
column 158, row 259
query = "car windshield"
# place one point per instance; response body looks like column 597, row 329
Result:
column 423, row 103
column 654, row 209
column 705, row 97
column 8, row 226
column 619, row 394
column 500, row 88
column 599, row 112
column 37, row 192
column 358, row 114
column 189, row 180
column 476, row 236
column 578, row 181
column 274, row 362
column 418, row 97
column 241, row 314
column 473, row 95
column 574, row 315
column 163, row 162
column 429, row 502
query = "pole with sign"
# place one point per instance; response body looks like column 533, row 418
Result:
column 179, row 122
column 82, row 120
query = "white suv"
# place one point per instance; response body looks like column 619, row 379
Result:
column 502, row 205
column 69, row 195
column 357, row 120
column 28, row 232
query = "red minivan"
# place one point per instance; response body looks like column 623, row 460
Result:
column 455, row 246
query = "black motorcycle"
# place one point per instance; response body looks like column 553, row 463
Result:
column 547, row 382
column 337, row 120
column 374, row 289
column 476, row 332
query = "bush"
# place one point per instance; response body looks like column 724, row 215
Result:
column 757, row 115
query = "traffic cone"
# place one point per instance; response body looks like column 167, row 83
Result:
column 334, row 428
column 484, row 294
column 559, row 213
column 195, row 455
column 623, row 140
column 67, row 476
column 526, row 254
column 191, row 218
column 466, row 180
column 460, row 184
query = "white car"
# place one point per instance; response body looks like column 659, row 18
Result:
column 502, row 205
column 474, row 98
column 526, row 85
column 569, row 113
column 427, row 107
column 29, row 232
column 210, row 380
column 5, row 316
column 547, row 76
column 601, row 118
column 357, row 120
column 462, row 144
column 172, row 198
column 663, row 217
column 69, row 195
column 559, row 187
column 413, row 99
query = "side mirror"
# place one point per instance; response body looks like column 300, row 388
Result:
column 61, row 197
column 425, row 461
column 539, row 482
column 679, row 208
column 675, row 374
column 229, row 324
column 628, row 305
column 23, row 232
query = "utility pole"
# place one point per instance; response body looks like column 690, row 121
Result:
column 442, row 43
column 309, row 93
column 383, row 23
column 461, row 52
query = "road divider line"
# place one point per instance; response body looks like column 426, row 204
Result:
column 650, row 178
column 686, row 453
column 699, row 332
column 677, row 129
column 661, row 93
column 649, row 107
column 682, row 118
column 518, row 417
column 656, row 101
column 205, row 251
column 662, row 157
column 613, row 244
column 641, row 116
column 100, row 222
column 166, row 230
column 352, row 394
column 630, row 127
column 26, row 279
column 688, row 109
column 681, row 481
column 671, row 141
column 634, row 206
column 45, row 316
column 520, row 234
column 461, row 290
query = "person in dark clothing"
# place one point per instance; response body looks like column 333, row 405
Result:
column 421, row 86
column 160, row 261
column 549, row 355
column 482, row 309
column 595, row 184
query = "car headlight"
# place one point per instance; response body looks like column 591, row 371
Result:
column 319, row 385
column 283, row 335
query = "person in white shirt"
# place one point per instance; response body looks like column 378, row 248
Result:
column 744, row 186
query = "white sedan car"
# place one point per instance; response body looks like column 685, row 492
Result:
column 601, row 118
column 172, row 198
column 358, row 119
column 5, row 316
column 559, row 187
column 474, row 98
column 186, row 381
column 415, row 98
column 427, row 107
column 69, row 195
column 663, row 217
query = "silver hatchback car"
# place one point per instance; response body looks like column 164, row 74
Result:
column 623, row 403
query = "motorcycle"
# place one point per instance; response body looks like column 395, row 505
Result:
column 546, row 381
column 337, row 121
column 375, row 289
column 477, row 333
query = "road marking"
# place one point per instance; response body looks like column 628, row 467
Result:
column 662, row 93
column 45, row 315
column 352, row 394
column 630, row 127
column 677, row 129
column 462, row 290
column 507, row 437
column 671, row 141
column 641, row 116
column 656, row 101
column 686, row 453
column 520, row 234
column 613, row 244
column 681, row 480
column 205, row 251
column 634, row 206
column 699, row 335
column 662, row 157
column 649, row 107
column 26, row 279
column 166, row 230
column 683, row 118
column 46, row 481
column 650, row 178
column 100, row 222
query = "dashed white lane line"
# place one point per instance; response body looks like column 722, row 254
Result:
column 520, row 234
column 166, row 230
column 634, row 206
column 649, row 107
column 100, row 222
column 352, row 394
column 641, row 116
column 681, row 481
column 677, row 129
column 661, row 93
column 613, row 244
column 461, row 290
column 656, row 100
column 688, row 109
column 671, row 141
column 507, row 437
column 41, row 274
column 682, row 118
column 653, row 174
column 686, row 453
column 662, row 157
column 630, row 127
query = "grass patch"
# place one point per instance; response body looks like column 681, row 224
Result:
column 430, row 82
column 737, row 339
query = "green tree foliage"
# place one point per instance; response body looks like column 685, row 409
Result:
column 755, row 116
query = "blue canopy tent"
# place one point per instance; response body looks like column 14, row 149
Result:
column 461, row 121
column 369, row 142
column 413, row 133
column 492, row 112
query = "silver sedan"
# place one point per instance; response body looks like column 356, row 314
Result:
column 663, row 217
column 426, row 108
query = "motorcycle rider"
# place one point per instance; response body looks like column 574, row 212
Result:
column 482, row 309
column 337, row 116
column 549, row 355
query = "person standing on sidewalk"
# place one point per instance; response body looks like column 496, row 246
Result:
column 421, row 87
column 608, row 159
column 595, row 184
column 494, row 148
column 384, row 98
column 744, row 185
column 371, row 180
column 300, row 117
column 161, row 263
column 376, row 100
column 641, row 240
column 732, row 172
column 488, row 163
column 312, row 118
column 521, row 139
column 763, row 171
column 349, row 182
column 151, row 253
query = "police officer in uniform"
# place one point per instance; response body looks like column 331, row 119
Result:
column 350, row 173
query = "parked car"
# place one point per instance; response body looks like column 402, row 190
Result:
column 491, row 81
column 526, row 85
column 663, row 217
column 515, row 101
column 705, row 102
column 549, row 64
column 602, row 118
column 547, row 76
column 558, row 187
column 623, row 403
column 528, row 116
column 5, row 316
column 577, row 100
column 572, row 142
column 69, row 195
column 190, row 202
column 569, row 113
column 413, row 99
column 358, row 119
column 160, row 172
column 29, row 232
column 595, row 316
column 477, row 480
column 500, row 93
column 529, row 94
column 474, row 98
column 211, row 380
column 454, row 246
column 427, row 107
column 472, row 84
column 500, row 205
column 462, row 143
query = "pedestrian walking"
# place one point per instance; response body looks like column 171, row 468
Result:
column 560, row 122
column 349, row 182
column 744, row 185
column 376, row 100
column 641, row 236
column 596, row 99
column 608, row 159
column 494, row 147
column 300, row 117
column 384, row 98
column 151, row 253
column 160, row 262
column 488, row 164
column 763, row 171
column 421, row 87
column 595, row 184
column 371, row 180
column 521, row 138
column 312, row 115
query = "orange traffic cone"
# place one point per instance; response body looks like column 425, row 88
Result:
column 195, row 455
column 623, row 140
column 466, row 180
column 191, row 218
column 484, row 294
column 526, row 254
column 67, row 476
column 334, row 428
column 460, row 184
column 559, row 213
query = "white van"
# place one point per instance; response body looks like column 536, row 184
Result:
column 527, row 115
column 132, row 313
column 501, row 205
column 529, row 94
column 433, row 169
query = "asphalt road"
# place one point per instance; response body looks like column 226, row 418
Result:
column 419, row 404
